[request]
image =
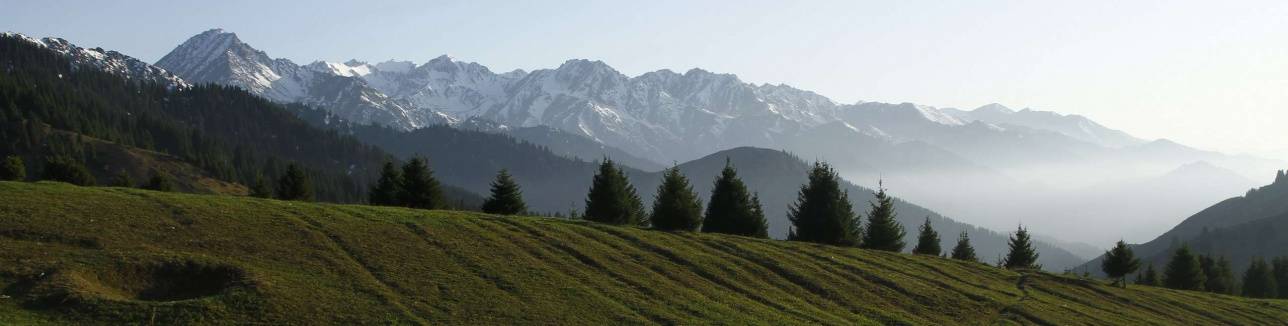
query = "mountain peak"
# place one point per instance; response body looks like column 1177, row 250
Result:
column 995, row 108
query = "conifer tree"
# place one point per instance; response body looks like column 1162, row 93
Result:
column 13, row 169
column 1220, row 279
column 388, row 189
column 1120, row 261
column 1184, row 272
column 757, row 225
column 1148, row 277
column 1280, row 271
column 259, row 188
column 1022, row 254
column 675, row 206
column 506, row 198
column 122, row 179
column 158, row 181
column 927, row 241
column 1259, row 280
column 883, row 231
column 822, row 212
column 612, row 199
column 732, row 209
column 66, row 169
column 419, row 188
column 294, row 185
column 963, row 250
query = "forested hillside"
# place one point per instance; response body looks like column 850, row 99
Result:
column 226, row 133
column 1239, row 229
column 118, row 255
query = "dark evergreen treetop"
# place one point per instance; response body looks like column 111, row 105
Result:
column 1022, row 254
column 927, row 241
column 612, row 199
column 883, row 231
column 159, row 181
column 963, row 250
column 1220, row 277
column 506, row 198
column 1183, row 272
column 388, row 189
column 1280, row 271
column 1119, row 262
column 1149, row 277
column 295, row 184
column 1259, row 280
column 13, row 169
column 419, row 188
column 732, row 209
column 822, row 212
column 676, row 206
column 67, row 169
column 259, row 188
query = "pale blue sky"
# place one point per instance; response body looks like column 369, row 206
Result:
column 1211, row 76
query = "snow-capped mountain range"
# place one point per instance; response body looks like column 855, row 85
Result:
column 664, row 115
column 990, row 166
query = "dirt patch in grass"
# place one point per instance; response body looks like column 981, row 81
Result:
column 162, row 281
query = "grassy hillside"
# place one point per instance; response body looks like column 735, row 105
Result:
column 71, row 255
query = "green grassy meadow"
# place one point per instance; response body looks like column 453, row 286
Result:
column 90, row 255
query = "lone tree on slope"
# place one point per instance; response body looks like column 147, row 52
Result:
column 883, row 231
column 822, row 212
column 506, row 198
column 1022, row 254
column 12, row 169
column 963, row 250
column 419, row 188
column 1259, row 280
column 927, row 241
column 1119, row 262
column 294, row 185
column 732, row 209
column 1183, row 272
column 675, row 206
column 612, row 199
column 388, row 188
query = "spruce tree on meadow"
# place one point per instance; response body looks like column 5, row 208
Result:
column 388, row 188
column 1149, row 277
column 13, row 169
column 1259, row 280
column 506, row 198
column 927, row 241
column 158, row 181
column 732, row 209
column 1279, row 268
column 612, row 199
column 757, row 226
column 1119, row 261
column 883, row 231
column 963, row 250
column 259, row 188
column 419, row 188
column 1220, row 278
column 66, row 169
column 822, row 212
column 122, row 179
column 1022, row 254
column 1184, row 271
column 675, row 206
column 294, row 184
